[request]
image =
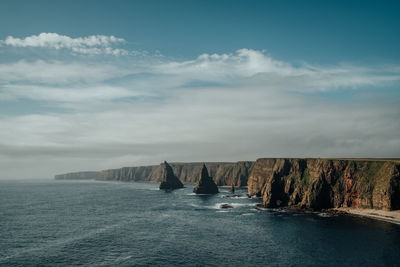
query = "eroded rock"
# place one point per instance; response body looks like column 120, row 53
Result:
column 226, row 206
column 169, row 180
column 326, row 183
column 205, row 185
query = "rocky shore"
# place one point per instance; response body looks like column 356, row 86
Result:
column 383, row 215
column 357, row 186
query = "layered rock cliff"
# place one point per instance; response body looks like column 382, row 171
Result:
column 305, row 183
column 89, row 175
column 326, row 183
column 223, row 173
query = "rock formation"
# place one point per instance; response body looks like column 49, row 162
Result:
column 303, row 183
column 205, row 185
column 326, row 183
column 169, row 180
column 225, row 206
column 224, row 173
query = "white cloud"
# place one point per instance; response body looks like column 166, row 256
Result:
column 93, row 44
column 208, row 124
column 236, row 106
column 76, row 81
column 58, row 72
column 243, row 66
column 84, row 94
column 246, row 65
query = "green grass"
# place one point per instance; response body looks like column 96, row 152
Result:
column 306, row 178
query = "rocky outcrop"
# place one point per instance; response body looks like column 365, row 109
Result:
column 326, row 183
column 78, row 176
column 224, row 173
column 304, row 183
column 205, row 185
column 225, row 206
column 169, row 180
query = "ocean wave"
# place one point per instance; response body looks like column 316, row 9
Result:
column 60, row 242
column 325, row 215
column 234, row 197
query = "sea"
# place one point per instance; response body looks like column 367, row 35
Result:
column 95, row 223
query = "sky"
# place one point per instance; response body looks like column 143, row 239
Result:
column 92, row 85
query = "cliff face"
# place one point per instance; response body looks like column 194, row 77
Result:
column 305, row 183
column 78, row 176
column 326, row 183
column 223, row 173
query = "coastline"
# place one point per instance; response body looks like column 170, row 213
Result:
column 383, row 215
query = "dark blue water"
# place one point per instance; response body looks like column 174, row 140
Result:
column 90, row 223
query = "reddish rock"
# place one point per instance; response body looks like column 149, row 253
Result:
column 326, row 183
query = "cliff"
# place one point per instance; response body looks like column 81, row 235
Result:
column 303, row 183
column 223, row 173
column 326, row 183
column 78, row 176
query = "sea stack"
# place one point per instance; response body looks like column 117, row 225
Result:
column 169, row 180
column 205, row 185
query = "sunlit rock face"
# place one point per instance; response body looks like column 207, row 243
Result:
column 326, row 183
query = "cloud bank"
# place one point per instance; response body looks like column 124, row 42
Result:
column 215, row 107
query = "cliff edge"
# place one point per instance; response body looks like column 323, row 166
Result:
column 326, row 183
column 88, row 175
column 224, row 173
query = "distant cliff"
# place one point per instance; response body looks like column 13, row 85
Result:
column 326, row 183
column 222, row 173
column 78, row 176
column 303, row 183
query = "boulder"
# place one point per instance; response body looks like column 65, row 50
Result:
column 226, row 206
column 169, row 180
column 205, row 185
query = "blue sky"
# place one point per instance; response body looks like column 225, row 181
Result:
column 317, row 31
column 89, row 85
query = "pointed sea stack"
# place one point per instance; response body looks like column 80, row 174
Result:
column 169, row 180
column 205, row 185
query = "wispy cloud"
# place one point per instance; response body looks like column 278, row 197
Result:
column 58, row 72
column 252, row 66
column 245, row 69
column 232, row 106
column 92, row 45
